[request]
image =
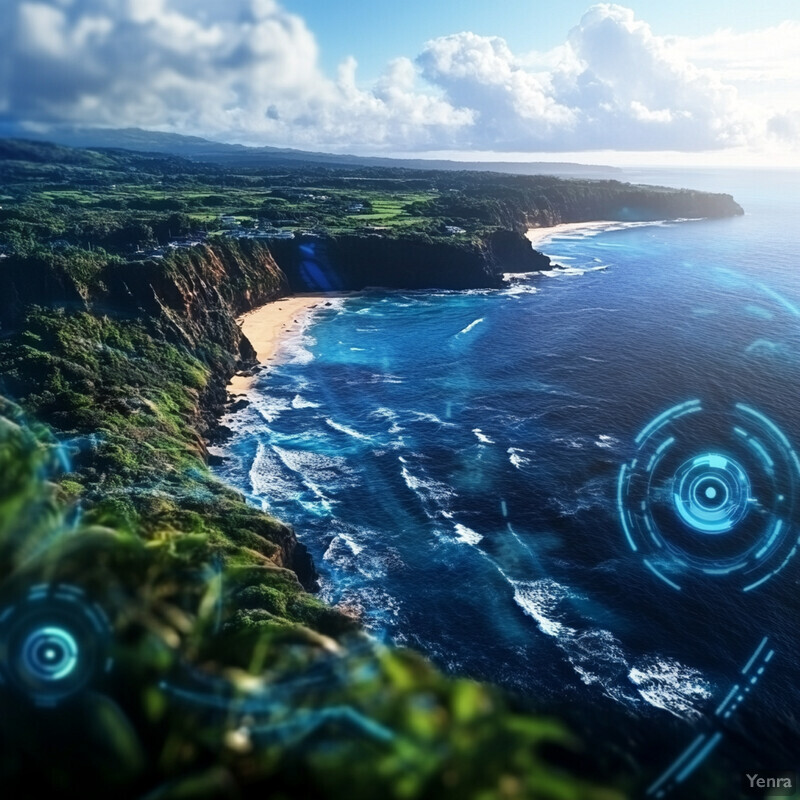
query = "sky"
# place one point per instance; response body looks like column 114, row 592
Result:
column 685, row 82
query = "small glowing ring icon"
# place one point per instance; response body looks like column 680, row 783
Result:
column 50, row 653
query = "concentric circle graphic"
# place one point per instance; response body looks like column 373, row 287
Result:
column 53, row 643
column 698, row 503
column 51, row 654
column 712, row 493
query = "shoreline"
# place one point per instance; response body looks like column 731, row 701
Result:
column 540, row 236
column 267, row 326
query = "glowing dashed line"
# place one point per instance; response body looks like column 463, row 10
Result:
column 625, row 528
column 755, row 655
column 775, row 531
column 775, row 429
column 774, row 572
column 663, row 577
column 665, row 416
column 700, row 757
column 686, row 753
column 727, row 700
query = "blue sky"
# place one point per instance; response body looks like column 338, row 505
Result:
column 686, row 81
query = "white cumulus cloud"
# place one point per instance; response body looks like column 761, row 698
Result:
column 251, row 72
column 255, row 76
column 614, row 85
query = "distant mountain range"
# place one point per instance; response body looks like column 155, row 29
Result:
column 237, row 155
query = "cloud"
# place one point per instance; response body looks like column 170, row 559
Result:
column 615, row 85
column 254, row 76
column 764, row 67
column 250, row 72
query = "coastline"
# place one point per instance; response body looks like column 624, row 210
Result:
column 266, row 327
column 540, row 236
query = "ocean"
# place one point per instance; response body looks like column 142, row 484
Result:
column 452, row 461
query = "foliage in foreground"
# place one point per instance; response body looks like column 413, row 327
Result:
column 208, row 701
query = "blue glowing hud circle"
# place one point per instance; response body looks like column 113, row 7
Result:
column 711, row 493
column 696, row 502
column 51, row 654
column 53, row 643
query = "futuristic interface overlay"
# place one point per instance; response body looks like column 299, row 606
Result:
column 697, row 502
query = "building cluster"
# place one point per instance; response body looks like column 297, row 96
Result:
column 254, row 233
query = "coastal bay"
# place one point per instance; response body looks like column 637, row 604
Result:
column 266, row 326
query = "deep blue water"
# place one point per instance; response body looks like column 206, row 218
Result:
column 451, row 461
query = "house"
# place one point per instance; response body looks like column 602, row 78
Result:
column 355, row 208
column 271, row 234
column 186, row 242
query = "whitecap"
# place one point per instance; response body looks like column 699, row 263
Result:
column 471, row 326
column 670, row 685
column 598, row 657
column 349, row 431
column 540, row 600
column 268, row 479
column 606, row 441
column 269, row 407
column 482, row 437
column 467, row 535
column 560, row 271
column 516, row 458
column 300, row 402
column 429, row 491
column 519, row 289
column 425, row 416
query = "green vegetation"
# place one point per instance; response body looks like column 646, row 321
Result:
column 375, row 722
column 116, row 351
column 120, row 201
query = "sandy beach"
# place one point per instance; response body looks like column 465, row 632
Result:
column 266, row 326
column 537, row 236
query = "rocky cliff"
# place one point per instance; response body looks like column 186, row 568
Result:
column 354, row 262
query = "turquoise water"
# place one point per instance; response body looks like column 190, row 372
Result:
column 451, row 461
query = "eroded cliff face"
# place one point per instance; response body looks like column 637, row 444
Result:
column 132, row 367
column 611, row 200
column 350, row 262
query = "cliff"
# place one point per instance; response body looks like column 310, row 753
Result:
column 517, row 203
column 355, row 262
column 130, row 365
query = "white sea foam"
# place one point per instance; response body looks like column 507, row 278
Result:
column 424, row 416
column 575, row 444
column 300, row 402
column 520, row 288
column 471, row 326
column 516, row 458
column 599, row 658
column 432, row 493
column 467, row 535
column 540, row 600
column 606, row 441
column 668, row 684
column 268, row 479
column 294, row 350
column 482, row 437
column 268, row 406
column 559, row 271
column 349, row 431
